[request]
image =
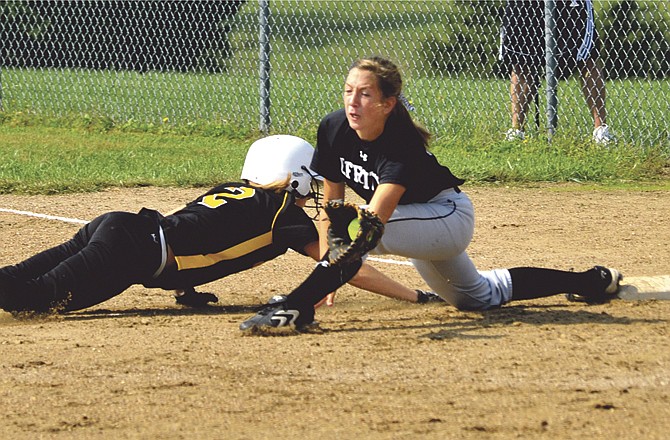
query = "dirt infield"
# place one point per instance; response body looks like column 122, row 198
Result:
column 140, row 366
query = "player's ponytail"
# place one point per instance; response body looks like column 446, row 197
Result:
column 390, row 83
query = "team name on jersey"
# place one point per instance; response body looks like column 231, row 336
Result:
column 368, row 179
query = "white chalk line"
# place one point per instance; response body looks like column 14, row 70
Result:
column 44, row 216
column 83, row 222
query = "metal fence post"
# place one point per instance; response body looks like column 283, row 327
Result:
column 55, row 63
column 264, row 65
column 550, row 60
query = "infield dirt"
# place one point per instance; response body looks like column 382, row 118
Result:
column 141, row 367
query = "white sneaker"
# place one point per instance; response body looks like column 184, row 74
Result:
column 603, row 136
column 515, row 135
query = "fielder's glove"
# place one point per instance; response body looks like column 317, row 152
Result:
column 353, row 232
column 190, row 298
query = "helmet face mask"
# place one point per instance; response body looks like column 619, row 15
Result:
column 274, row 158
column 315, row 195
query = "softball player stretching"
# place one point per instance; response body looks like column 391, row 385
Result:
column 232, row 227
column 373, row 146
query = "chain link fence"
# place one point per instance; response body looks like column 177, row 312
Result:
column 279, row 65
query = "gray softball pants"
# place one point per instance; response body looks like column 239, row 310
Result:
column 435, row 236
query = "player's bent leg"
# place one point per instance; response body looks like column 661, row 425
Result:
column 459, row 283
column 446, row 223
column 120, row 252
column 46, row 260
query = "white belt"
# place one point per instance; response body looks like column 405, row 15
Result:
column 163, row 253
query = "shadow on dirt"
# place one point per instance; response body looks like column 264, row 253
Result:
column 145, row 312
column 465, row 325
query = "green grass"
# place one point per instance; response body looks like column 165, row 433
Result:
column 46, row 156
column 82, row 130
column 308, row 69
column 538, row 161
column 472, row 110
column 38, row 159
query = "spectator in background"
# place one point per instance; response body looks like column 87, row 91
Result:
column 522, row 43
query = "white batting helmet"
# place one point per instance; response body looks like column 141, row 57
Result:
column 273, row 158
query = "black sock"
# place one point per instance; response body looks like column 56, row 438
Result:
column 323, row 280
column 533, row 282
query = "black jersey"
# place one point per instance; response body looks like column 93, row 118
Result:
column 394, row 157
column 231, row 228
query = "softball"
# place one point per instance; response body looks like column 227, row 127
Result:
column 353, row 228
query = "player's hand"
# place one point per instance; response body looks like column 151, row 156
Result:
column 190, row 298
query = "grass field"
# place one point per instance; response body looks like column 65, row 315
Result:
column 467, row 110
column 81, row 130
column 43, row 157
column 468, row 106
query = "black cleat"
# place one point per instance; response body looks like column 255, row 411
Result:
column 608, row 286
column 277, row 318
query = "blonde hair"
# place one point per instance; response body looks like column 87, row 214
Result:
column 277, row 186
column 390, row 83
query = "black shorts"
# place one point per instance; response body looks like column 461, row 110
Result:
column 522, row 35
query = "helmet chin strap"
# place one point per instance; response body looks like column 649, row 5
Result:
column 314, row 193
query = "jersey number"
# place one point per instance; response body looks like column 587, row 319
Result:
column 238, row 193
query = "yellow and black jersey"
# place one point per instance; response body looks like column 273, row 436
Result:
column 231, row 228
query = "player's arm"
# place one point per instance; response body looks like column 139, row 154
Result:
column 383, row 203
column 385, row 200
column 331, row 191
column 313, row 250
column 370, row 279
